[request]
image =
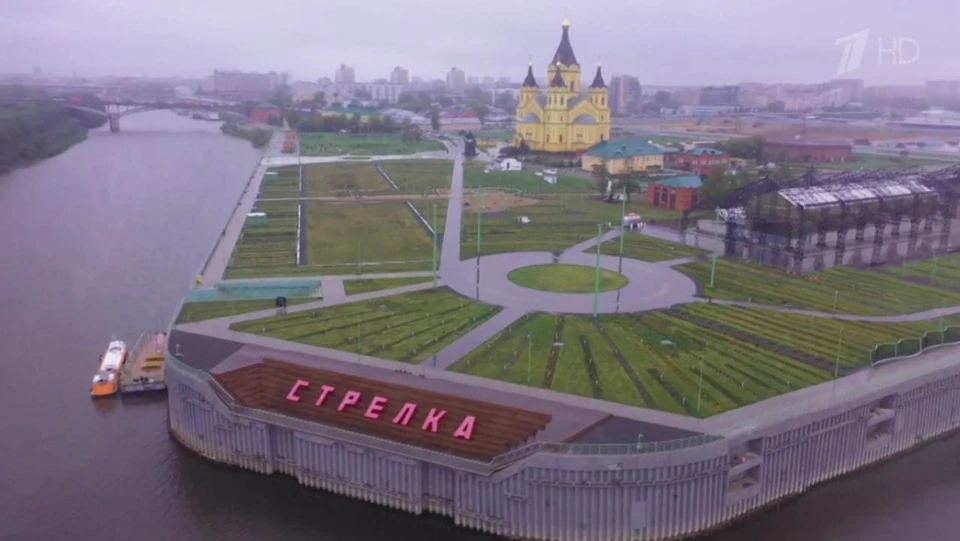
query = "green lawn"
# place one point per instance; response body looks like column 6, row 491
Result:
column 335, row 144
column 656, row 359
column 411, row 327
column 199, row 311
column 285, row 183
column 944, row 273
column 556, row 223
column 504, row 136
column 559, row 278
column 343, row 234
column 353, row 287
column 853, row 291
column 419, row 176
column 344, row 180
column 264, row 247
column 425, row 208
column 869, row 161
column 645, row 248
column 525, row 181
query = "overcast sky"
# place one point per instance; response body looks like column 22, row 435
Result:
column 675, row 42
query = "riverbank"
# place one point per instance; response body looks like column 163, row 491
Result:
column 258, row 137
column 34, row 132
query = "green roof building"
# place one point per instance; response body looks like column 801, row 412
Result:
column 622, row 156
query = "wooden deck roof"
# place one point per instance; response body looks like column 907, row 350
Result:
column 496, row 429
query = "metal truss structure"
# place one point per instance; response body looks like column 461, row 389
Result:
column 784, row 217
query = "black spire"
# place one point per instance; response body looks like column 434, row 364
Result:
column 564, row 53
column 598, row 80
column 530, row 81
column 557, row 81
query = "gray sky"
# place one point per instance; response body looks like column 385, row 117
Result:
column 676, row 42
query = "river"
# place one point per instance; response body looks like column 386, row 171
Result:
column 104, row 240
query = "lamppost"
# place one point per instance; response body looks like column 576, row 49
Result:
column 623, row 216
column 596, row 282
column 434, row 245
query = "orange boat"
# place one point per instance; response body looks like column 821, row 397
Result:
column 107, row 380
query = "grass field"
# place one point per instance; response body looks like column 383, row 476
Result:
column 555, row 224
column 645, row 248
column 271, row 246
column 425, row 208
column 504, row 136
column 410, row 327
column 354, row 287
column 335, row 144
column 344, row 180
column 866, row 161
column 419, row 176
column 284, row 184
column 199, row 311
column 945, row 273
column 560, row 278
column 654, row 359
column 846, row 289
column 525, row 181
column 344, row 233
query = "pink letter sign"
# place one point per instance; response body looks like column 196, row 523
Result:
column 325, row 391
column 465, row 430
column 294, row 394
column 375, row 408
column 432, row 422
column 349, row 399
column 405, row 414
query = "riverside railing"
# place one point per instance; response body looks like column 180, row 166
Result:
column 908, row 347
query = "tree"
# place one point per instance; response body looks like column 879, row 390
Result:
column 661, row 98
column 482, row 112
column 282, row 97
column 505, row 101
column 435, row 120
column 600, row 173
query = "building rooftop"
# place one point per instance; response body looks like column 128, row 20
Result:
column 623, row 148
column 705, row 152
column 683, row 181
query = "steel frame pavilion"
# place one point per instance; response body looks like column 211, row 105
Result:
column 782, row 215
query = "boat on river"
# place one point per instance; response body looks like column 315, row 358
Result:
column 106, row 382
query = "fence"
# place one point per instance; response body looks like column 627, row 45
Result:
column 909, row 347
column 256, row 289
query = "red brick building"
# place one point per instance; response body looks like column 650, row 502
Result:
column 801, row 150
column 264, row 112
column 675, row 193
column 697, row 160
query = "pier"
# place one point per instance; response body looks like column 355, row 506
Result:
column 144, row 370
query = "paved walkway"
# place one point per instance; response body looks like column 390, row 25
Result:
column 216, row 264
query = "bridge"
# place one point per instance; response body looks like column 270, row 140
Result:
column 114, row 110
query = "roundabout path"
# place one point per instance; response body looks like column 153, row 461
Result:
column 650, row 285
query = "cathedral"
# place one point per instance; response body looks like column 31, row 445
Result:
column 565, row 118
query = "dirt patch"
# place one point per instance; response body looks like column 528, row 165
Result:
column 496, row 201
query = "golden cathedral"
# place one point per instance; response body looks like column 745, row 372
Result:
column 566, row 118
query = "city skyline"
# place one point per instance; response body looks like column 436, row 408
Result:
column 686, row 47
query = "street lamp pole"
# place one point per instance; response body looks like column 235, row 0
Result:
column 434, row 245
column 623, row 215
column 596, row 282
column 700, row 385
column 529, row 352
